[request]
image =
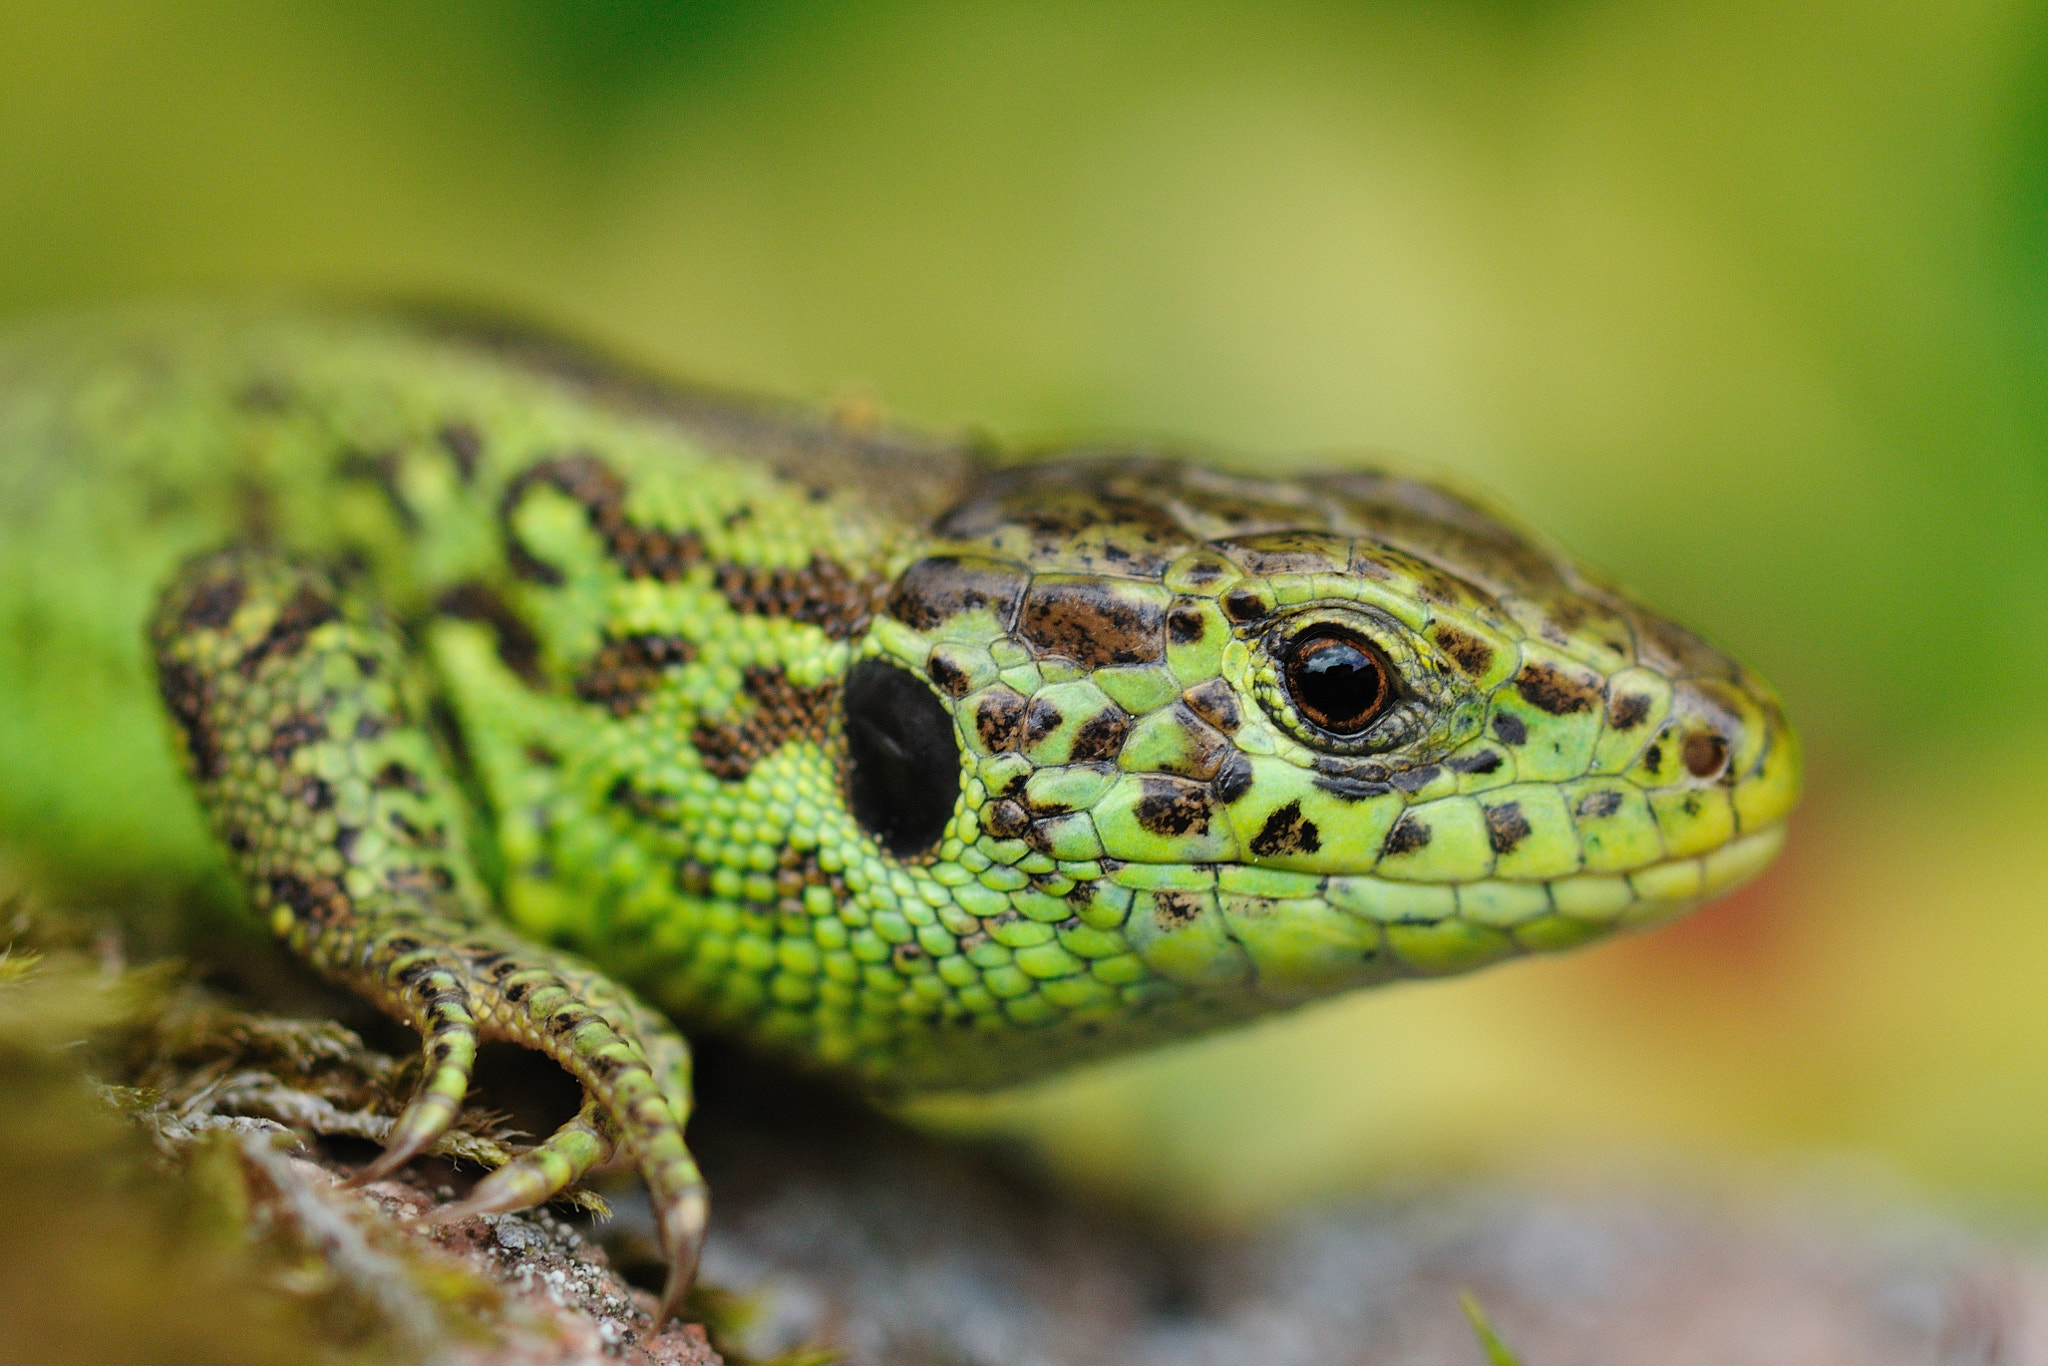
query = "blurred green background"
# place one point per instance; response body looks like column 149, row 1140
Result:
column 1746, row 302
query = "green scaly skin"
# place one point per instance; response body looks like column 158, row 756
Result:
column 931, row 772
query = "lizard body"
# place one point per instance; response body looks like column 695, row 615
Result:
column 929, row 770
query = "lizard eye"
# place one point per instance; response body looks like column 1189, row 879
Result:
column 1336, row 679
column 903, row 759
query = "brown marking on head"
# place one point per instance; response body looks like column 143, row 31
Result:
column 1172, row 910
column 1548, row 688
column 823, row 593
column 1101, row 737
column 518, row 648
column 1234, row 778
column 999, row 718
column 1287, row 831
column 782, row 712
column 945, row 671
column 1244, row 604
column 1413, row 780
column 1408, row 835
column 1006, row 818
column 1186, row 623
column 1506, row 826
column 1170, row 807
column 626, row 668
column 1484, row 761
column 1704, row 754
column 1627, row 710
column 1092, row 622
column 1598, row 805
column 1041, row 719
column 1472, row 655
column 640, row 552
column 940, row 587
column 1215, row 701
column 1511, row 729
column 1288, row 552
column 1206, row 749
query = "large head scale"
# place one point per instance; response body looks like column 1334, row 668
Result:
column 1190, row 747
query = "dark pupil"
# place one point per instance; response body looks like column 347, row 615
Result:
column 1337, row 682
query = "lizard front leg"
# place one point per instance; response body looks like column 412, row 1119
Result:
column 292, row 695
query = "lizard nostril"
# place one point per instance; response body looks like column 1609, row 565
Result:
column 1705, row 754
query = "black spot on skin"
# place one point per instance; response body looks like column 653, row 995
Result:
column 1243, row 604
column 238, row 839
column 1170, row 808
column 627, row 668
column 317, row 795
column 1599, row 805
column 940, row 587
column 1101, row 736
column 1552, row 690
column 1628, row 711
column 1506, row 826
column 1092, row 623
column 1472, row 655
column 1185, row 623
column 1485, row 761
column 1176, row 909
column 465, row 446
column 1351, row 787
column 902, row 757
column 999, row 718
column 1704, row 754
column 1215, row 701
column 1653, row 758
column 1408, row 835
column 1041, row 719
column 640, row 552
column 943, row 670
column 214, row 605
column 1510, row 728
column 1287, row 831
column 821, row 592
column 306, row 610
column 1415, row 779
column 1234, row 779
column 345, row 842
column 517, row 647
column 1005, row 819
column 396, row 776
column 187, row 694
column 293, row 732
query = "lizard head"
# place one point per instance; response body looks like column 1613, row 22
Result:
column 1229, row 744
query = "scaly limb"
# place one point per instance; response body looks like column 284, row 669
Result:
column 293, row 699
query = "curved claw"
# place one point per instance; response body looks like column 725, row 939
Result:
column 681, row 1223
column 439, row 1009
column 538, row 1176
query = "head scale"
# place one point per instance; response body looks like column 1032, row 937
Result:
column 1184, row 747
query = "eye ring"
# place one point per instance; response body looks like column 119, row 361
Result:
column 1336, row 679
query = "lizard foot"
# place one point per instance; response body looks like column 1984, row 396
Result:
column 299, row 712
